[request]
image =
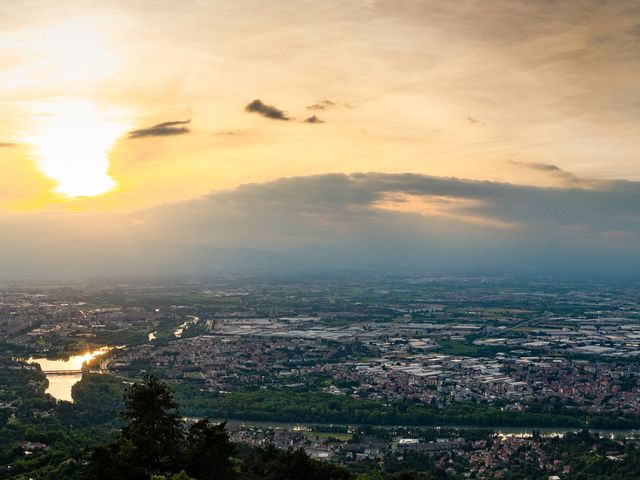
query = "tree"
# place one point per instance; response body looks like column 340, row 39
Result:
column 151, row 441
column 272, row 464
column 208, row 450
column 154, row 425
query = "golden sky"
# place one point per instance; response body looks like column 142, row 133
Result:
column 470, row 89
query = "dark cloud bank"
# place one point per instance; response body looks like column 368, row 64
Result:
column 336, row 222
column 174, row 127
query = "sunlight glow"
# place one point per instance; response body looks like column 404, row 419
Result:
column 464, row 210
column 71, row 147
column 73, row 54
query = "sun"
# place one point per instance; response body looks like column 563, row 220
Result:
column 71, row 146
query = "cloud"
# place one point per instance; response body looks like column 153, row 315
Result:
column 268, row 111
column 323, row 105
column 7, row 144
column 341, row 199
column 175, row 127
column 313, row 119
column 328, row 104
column 568, row 177
column 230, row 133
column 360, row 220
column 417, row 220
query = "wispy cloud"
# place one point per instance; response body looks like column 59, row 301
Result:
column 268, row 111
column 568, row 177
column 328, row 104
column 174, row 127
column 322, row 105
column 230, row 133
column 7, row 144
column 313, row 119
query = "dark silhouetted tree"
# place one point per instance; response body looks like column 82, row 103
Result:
column 151, row 440
column 207, row 451
column 153, row 425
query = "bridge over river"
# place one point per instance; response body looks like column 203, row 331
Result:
column 69, row 372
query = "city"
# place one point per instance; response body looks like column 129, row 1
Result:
column 462, row 373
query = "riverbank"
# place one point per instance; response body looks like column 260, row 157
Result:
column 235, row 424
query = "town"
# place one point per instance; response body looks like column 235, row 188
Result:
column 464, row 373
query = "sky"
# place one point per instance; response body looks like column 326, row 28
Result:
column 153, row 137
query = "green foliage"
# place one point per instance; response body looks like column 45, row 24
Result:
column 413, row 465
column 321, row 407
column 178, row 476
column 458, row 347
column 153, row 444
column 150, row 441
column 153, row 441
column 272, row 464
column 207, row 451
column 153, row 423
column 98, row 398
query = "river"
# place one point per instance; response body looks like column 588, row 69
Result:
column 237, row 424
column 60, row 385
column 192, row 320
